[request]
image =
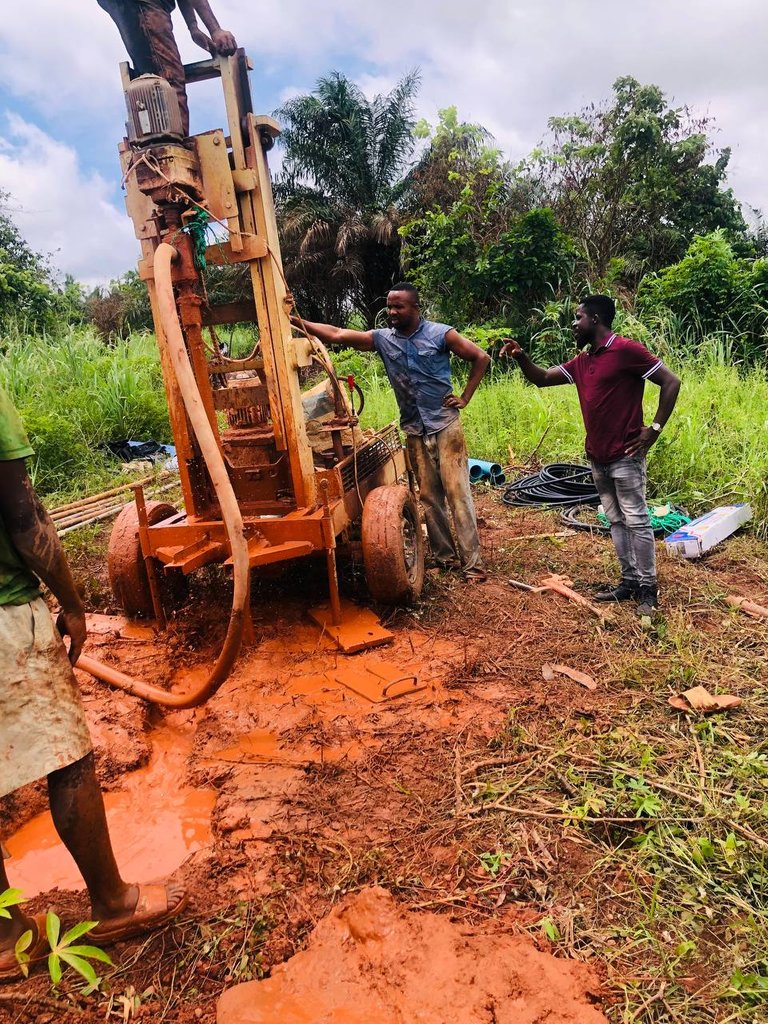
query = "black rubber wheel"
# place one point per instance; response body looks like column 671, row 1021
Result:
column 393, row 545
column 125, row 562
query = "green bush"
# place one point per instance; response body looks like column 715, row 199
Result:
column 711, row 290
column 74, row 394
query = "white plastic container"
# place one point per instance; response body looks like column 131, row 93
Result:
column 693, row 540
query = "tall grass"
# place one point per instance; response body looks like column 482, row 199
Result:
column 74, row 394
column 714, row 449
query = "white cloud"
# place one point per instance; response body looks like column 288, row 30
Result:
column 62, row 209
column 509, row 64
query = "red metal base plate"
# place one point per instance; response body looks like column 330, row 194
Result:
column 358, row 630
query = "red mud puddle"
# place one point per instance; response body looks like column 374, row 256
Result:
column 264, row 747
column 371, row 960
column 155, row 823
column 116, row 625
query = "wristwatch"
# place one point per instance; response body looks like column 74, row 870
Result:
column 656, row 427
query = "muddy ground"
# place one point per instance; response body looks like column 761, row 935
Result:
column 451, row 798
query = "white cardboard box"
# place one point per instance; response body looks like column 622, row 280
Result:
column 693, row 540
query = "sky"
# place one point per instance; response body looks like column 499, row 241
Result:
column 507, row 64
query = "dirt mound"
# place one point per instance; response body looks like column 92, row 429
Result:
column 371, row 960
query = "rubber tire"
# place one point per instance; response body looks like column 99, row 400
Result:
column 125, row 562
column 387, row 574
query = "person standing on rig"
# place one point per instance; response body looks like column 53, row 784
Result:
column 147, row 33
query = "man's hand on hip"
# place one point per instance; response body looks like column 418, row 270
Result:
column 71, row 623
column 642, row 443
column 454, row 402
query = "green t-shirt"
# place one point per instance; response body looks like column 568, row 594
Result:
column 18, row 584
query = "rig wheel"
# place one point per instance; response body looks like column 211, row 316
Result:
column 125, row 562
column 393, row 545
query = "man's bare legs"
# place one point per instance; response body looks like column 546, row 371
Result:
column 77, row 808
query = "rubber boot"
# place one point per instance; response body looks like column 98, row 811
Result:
column 647, row 600
column 625, row 591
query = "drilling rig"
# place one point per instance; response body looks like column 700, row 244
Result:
column 255, row 491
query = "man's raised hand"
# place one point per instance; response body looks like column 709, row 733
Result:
column 224, row 42
column 511, row 349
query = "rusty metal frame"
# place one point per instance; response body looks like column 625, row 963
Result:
column 290, row 506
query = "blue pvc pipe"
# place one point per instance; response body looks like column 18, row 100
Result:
column 491, row 471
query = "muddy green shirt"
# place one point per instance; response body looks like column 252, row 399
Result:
column 18, row 584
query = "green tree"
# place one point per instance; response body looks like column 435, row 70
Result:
column 119, row 309
column 26, row 292
column 339, row 194
column 712, row 290
column 481, row 259
column 455, row 152
column 631, row 183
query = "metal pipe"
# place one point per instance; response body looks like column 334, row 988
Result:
column 330, row 555
column 230, row 510
column 149, row 562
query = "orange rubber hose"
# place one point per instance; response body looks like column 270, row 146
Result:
column 230, row 512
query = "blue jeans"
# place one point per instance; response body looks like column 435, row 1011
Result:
column 621, row 486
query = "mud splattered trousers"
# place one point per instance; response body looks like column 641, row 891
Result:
column 442, row 471
column 42, row 723
column 147, row 33
column 622, row 486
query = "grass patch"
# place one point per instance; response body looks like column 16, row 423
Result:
column 75, row 393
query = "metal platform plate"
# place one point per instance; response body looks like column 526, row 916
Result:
column 378, row 681
column 359, row 628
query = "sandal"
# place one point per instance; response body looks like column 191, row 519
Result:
column 151, row 911
column 10, row 969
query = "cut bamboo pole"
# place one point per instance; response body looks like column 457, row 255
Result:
column 108, row 494
column 113, row 511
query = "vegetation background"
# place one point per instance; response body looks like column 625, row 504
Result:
column 628, row 196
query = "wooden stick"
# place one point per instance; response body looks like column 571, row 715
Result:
column 757, row 611
column 561, row 585
column 107, row 494
column 544, row 536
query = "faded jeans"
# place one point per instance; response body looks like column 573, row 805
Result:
column 442, row 471
column 621, row 486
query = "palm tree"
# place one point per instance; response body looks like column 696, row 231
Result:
column 339, row 195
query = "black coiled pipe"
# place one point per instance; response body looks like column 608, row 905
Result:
column 559, row 483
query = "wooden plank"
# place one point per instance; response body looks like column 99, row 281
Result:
column 230, row 313
column 275, row 329
column 221, row 254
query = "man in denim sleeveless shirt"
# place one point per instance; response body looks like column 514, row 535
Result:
column 416, row 355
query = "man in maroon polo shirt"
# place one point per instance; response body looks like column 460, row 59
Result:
column 610, row 377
